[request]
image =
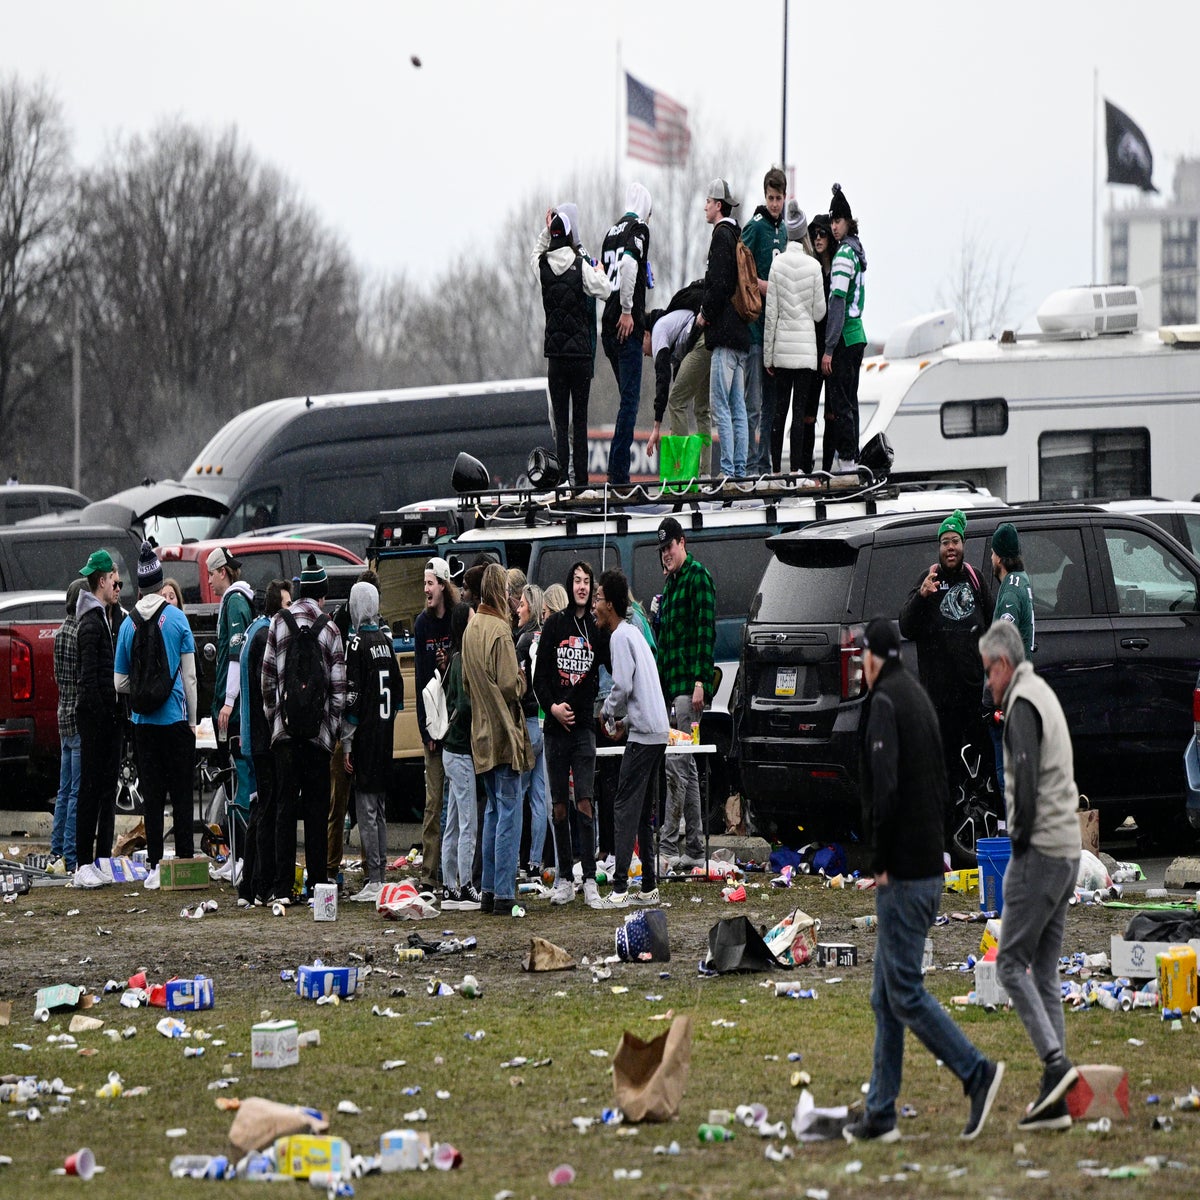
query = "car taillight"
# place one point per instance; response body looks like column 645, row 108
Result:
column 852, row 662
column 1196, row 711
column 20, row 659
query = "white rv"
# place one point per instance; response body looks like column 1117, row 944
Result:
column 1091, row 405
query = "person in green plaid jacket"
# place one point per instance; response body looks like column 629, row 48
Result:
column 687, row 633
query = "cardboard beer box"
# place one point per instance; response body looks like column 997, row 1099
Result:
column 302, row 1154
column 312, row 982
column 988, row 988
column 837, row 954
column 183, row 874
column 189, row 995
column 123, row 869
column 1177, row 978
column 274, row 1044
column 61, row 995
column 1137, row 959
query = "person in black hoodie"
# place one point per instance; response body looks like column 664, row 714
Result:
column 725, row 333
column 98, row 717
column 566, row 681
column 903, row 797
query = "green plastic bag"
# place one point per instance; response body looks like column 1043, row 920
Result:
column 679, row 461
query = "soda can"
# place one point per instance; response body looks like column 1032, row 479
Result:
column 409, row 954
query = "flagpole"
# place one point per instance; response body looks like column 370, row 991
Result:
column 617, row 127
column 783, row 147
column 1095, row 161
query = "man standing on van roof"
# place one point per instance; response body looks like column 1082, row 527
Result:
column 725, row 333
column 903, row 798
column 164, row 736
column 303, row 699
column 945, row 614
column 626, row 257
column 233, row 619
column 1041, row 801
column 687, row 634
column 431, row 635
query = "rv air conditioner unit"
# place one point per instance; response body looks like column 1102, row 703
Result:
column 920, row 335
column 1115, row 308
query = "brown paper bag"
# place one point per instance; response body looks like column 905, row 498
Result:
column 735, row 816
column 546, row 956
column 127, row 843
column 1089, row 826
column 649, row 1078
column 259, row 1122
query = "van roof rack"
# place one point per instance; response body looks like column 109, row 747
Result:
column 599, row 501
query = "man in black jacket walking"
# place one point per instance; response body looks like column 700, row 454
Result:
column 725, row 333
column 904, row 795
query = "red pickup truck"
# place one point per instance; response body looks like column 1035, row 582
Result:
column 28, row 693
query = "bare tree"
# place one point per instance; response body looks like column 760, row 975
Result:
column 210, row 287
column 36, row 251
column 981, row 288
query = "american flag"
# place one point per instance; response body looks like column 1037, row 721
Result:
column 658, row 128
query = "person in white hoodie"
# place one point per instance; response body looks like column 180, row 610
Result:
column 571, row 285
column 165, row 736
column 795, row 303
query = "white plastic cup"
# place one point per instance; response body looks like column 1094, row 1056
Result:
column 82, row 1163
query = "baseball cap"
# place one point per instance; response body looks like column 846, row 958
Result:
column 719, row 189
column 221, row 557
column 882, row 639
column 669, row 530
column 440, row 568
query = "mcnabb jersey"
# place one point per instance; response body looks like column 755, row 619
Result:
column 628, row 237
column 374, row 694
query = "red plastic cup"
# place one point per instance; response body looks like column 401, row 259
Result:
column 138, row 980
column 82, row 1163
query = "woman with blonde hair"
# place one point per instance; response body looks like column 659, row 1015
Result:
column 499, row 739
column 554, row 599
column 533, row 782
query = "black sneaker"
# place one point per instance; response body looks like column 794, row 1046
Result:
column 487, row 902
column 1057, row 1080
column 863, row 1131
column 469, row 899
column 451, row 899
column 982, row 1096
column 1052, row 1116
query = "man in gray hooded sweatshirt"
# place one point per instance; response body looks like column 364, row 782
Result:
column 626, row 256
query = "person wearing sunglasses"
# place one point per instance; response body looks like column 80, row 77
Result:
column 97, row 717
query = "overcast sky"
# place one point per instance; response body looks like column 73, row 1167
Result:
column 936, row 118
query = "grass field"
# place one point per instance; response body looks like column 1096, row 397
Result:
column 513, row 1125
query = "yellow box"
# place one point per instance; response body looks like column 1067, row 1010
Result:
column 302, row 1154
column 963, row 881
column 991, row 936
column 1177, row 978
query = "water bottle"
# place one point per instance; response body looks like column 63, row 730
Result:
column 714, row 1133
column 190, row 1166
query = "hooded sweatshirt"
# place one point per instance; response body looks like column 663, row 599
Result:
column 766, row 238
column 97, row 695
column 626, row 253
column 180, row 646
column 847, row 295
column 374, row 693
column 233, row 619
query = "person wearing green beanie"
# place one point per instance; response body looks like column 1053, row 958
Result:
column 945, row 614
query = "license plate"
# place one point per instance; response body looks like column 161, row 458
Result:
column 785, row 681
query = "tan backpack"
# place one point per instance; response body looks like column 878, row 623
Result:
column 747, row 299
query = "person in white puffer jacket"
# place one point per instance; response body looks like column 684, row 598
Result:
column 795, row 303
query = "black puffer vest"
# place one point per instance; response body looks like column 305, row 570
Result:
column 570, row 319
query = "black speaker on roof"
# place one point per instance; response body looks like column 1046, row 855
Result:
column 470, row 475
column 543, row 468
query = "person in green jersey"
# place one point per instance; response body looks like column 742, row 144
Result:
column 845, row 338
column 1014, row 602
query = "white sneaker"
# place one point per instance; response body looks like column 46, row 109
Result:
column 613, row 900
column 591, row 894
column 564, row 892
column 607, row 865
column 90, row 876
column 152, row 882
column 369, row 894
column 844, row 466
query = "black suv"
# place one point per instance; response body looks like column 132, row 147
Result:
column 1117, row 617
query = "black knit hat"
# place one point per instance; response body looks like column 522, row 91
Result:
column 882, row 639
column 149, row 569
column 839, row 206
column 314, row 583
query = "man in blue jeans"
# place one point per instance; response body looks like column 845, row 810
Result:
column 626, row 255
column 904, row 797
column 66, row 675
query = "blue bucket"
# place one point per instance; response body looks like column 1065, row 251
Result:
column 993, row 855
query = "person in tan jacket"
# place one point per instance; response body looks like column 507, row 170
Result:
column 500, row 743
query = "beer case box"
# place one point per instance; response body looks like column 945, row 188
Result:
column 313, row 982
column 189, row 995
column 837, row 954
column 988, row 988
column 183, row 874
column 1177, row 978
column 1137, row 959
column 274, row 1044
column 61, row 995
column 302, row 1154
column 123, row 869
column 963, row 881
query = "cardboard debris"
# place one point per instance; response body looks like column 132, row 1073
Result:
column 546, row 956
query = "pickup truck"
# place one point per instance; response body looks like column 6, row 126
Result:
column 28, row 694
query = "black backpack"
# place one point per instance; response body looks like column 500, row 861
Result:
column 151, row 680
column 305, row 685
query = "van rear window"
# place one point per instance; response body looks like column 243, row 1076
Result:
column 813, row 593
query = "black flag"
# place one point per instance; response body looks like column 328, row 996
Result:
column 1129, row 157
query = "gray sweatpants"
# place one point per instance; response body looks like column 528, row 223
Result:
column 683, row 791
column 1036, row 891
column 372, row 832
